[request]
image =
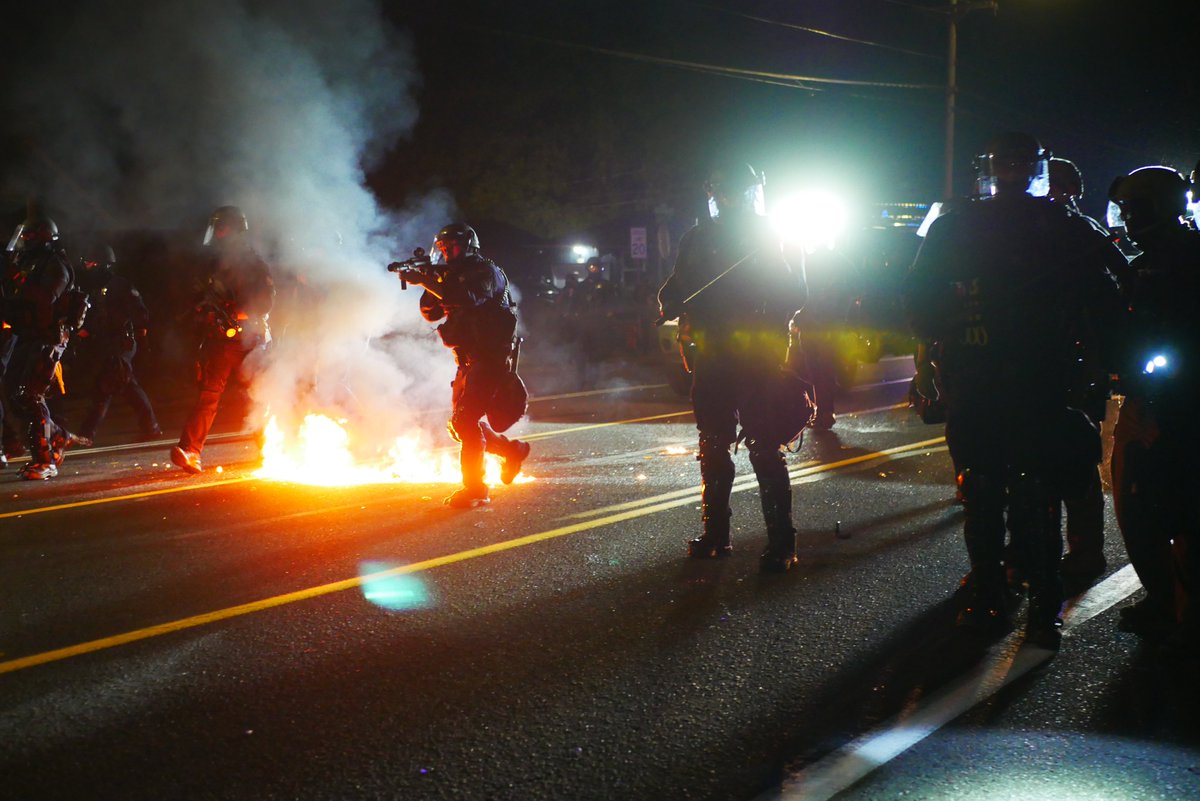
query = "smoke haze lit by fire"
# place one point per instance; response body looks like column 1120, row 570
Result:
column 148, row 115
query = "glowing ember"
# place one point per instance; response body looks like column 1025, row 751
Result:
column 320, row 453
column 676, row 450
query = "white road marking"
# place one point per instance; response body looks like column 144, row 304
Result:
column 1004, row 663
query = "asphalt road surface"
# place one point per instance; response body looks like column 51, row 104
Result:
column 224, row 636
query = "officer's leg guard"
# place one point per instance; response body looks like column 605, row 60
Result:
column 474, row 491
column 1033, row 509
column 716, row 476
column 1147, row 543
column 775, row 492
column 1084, row 561
column 983, row 604
column 30, row 405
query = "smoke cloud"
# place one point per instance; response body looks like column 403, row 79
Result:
column 151, row 114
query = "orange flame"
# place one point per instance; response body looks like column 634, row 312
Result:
column 320, row 454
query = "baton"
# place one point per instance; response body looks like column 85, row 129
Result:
column 728, row 270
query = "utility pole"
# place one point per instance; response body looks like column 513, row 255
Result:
column 954, row 12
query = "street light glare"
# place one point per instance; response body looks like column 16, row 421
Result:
column 813, row 219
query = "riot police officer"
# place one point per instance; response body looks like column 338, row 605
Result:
column 1000, row 284
column 469, row 294
column 44, row 309
column 232, row 306
column 734, row 290
column 1084, row 561
column 116, row 323
column 1157, row 428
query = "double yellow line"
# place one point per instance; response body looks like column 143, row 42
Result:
column 601, row 517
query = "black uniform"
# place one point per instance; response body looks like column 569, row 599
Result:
column 470, row 294
column 739, row 326
column 234, row 301
column 1002, row 285
column 1158, row 431
column 115, row 323
column 43, row 312
column 10, row 439
column 1089, row 392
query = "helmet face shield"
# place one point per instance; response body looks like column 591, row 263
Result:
column 33, row 234
column 994, row 169
column 226, row 224
column 16, row 238
column 1113, row 217
column 453, row 242
column 1013, row 161
column 751, row 198
column 1149, row 199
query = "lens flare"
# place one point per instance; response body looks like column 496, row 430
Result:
column 396, row 592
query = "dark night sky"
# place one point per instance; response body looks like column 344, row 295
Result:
column 521, row 117
column 1109, row 84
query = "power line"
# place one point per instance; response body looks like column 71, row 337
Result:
column 818, row 32
column 785, row 79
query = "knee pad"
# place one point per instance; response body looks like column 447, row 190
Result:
column 465, row 429
column 980, row 488
column 764, row 457
column 715, row 462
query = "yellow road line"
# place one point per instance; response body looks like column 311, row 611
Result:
column 743, row 482
column 132, row 497
column 587, row 393
column 593, row 426
column 59, row 654
column 207, row 485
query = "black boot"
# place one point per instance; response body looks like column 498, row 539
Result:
column 775, row 493
column 714, row 542
column 780, row 553
column 716, row 473
column 984, row 596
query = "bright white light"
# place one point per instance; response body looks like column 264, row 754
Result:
column 813, row 219
column 584, row 252
column 1155, row 363
column 1112, row 216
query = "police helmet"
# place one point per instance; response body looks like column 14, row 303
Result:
column 1065, row 179
column 461, row 235
column 735, row 185
column 227, row 222
column 1013, row 159
column 1149, row 197
column 98, row 255
column 36, row 232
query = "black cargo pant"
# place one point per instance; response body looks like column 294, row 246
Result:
column 1157, row 501
column 1005, row 457
column 219, row 360
column 33, row 366
column 723, row 381
column 116, row 376
column 472, row 390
